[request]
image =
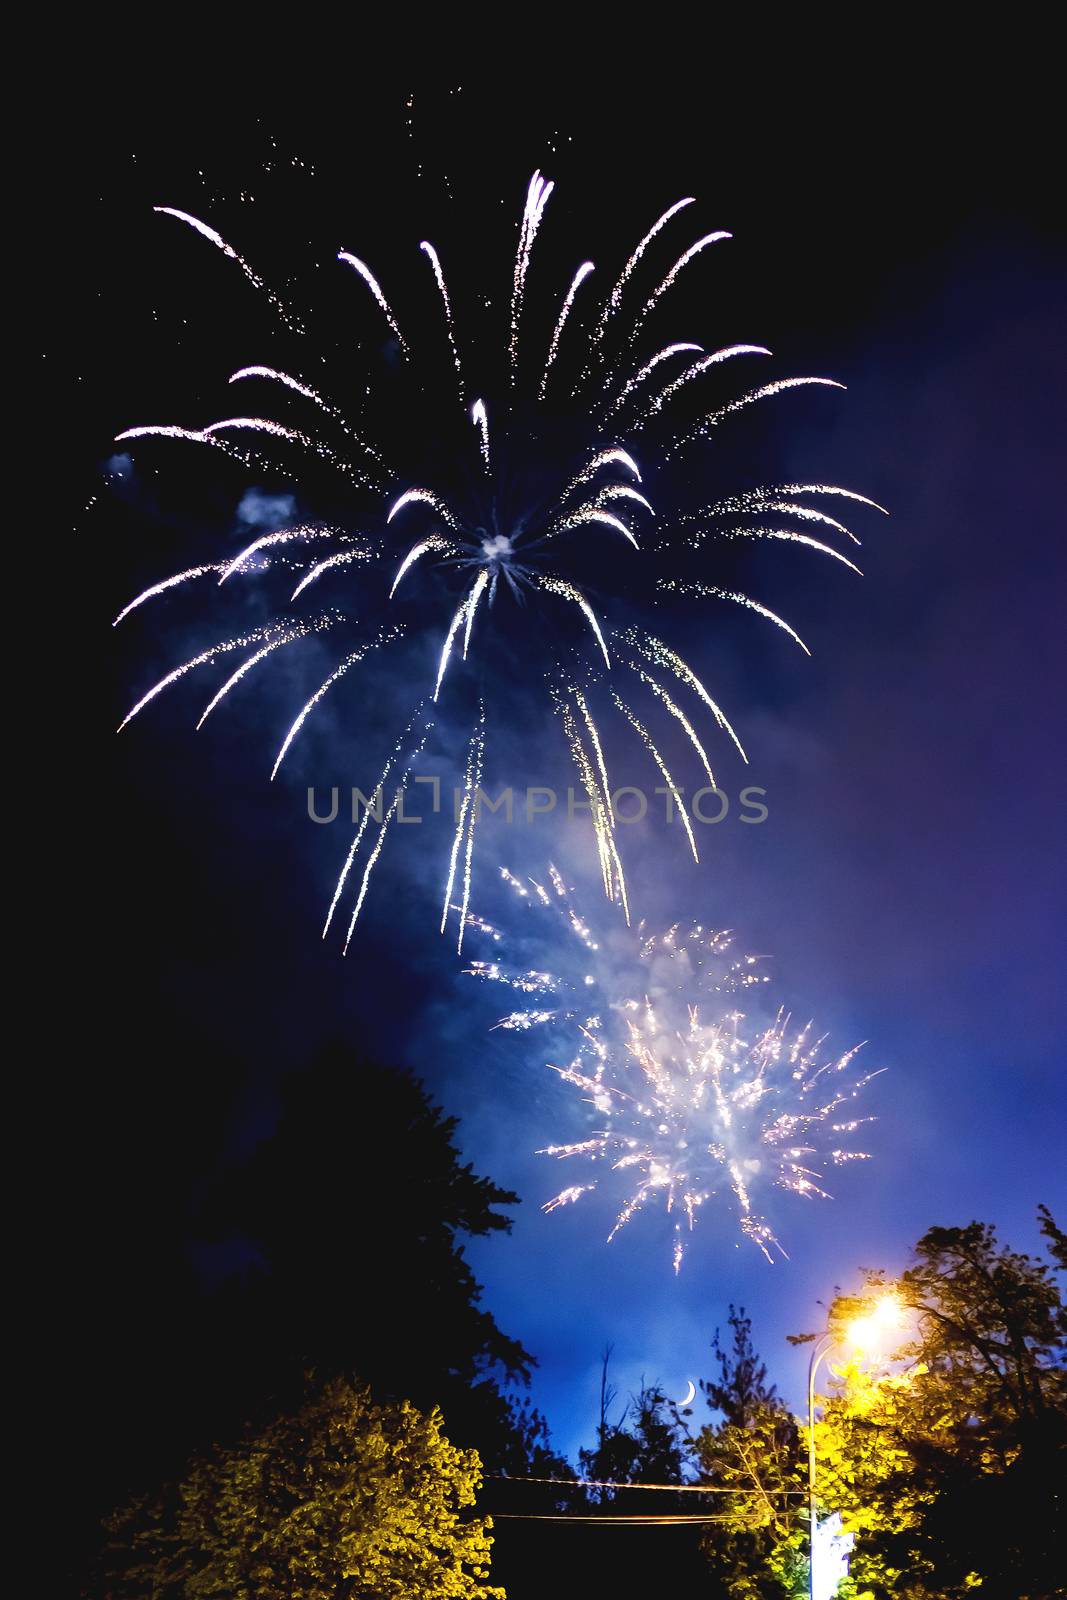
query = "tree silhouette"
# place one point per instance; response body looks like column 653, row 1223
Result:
column 345, row 1230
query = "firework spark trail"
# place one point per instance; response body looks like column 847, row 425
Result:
column 623, row 491
column 466, row 817
column 605, row 458
column 385, row 635
column 594, row 737
column 368, row 809
column 206, row 232
column 241, row 642
column 258, row 425
column 472, row 605
column 340, row 559
column 472, row 820
column 537, row 196
column 614, row 456
column 615, row 879
column 372, row 859
column 679, row 716
column 568, row 1196
column 681, row 1107
column 649, row 744
column 210, row 435
column 439, row 277
column 376, row 290
column 611, row 872
column 818, row 488
column 593, row 514
column 644, row 372
column 190, row 573
column 695, row 371
column 757, row 502
column 170, row 430
column 567, row 591
column 423, row 497
column 780, row 386
column 167, row 583
column 266, row 540
column 475, row 921
column 464, row 612
column 288, row 380
column 434, row 542
column 579, row 278
column 246, row 666
column 710, row 591
column 480, row 418
column 668, row 282
column 598, row 811
column 272, row 374
column 291, row 436
column 614, row 300
column 662, row 655
column 791, row 536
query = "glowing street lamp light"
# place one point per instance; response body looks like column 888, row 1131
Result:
column 864, row 1334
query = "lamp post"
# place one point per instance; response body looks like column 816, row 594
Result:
column 822, row 1348
column 861, row 1333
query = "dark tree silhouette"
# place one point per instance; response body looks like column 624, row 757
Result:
column 333, row 1251
column 741, row 1390
column 346, row 1230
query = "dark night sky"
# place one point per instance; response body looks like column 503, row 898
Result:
column 908, row 882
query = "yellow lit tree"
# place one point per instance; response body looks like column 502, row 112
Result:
column 343, row 1500
column 947, row 1455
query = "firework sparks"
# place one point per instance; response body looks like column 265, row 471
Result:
column 475, row 527
column 709, row 591
column 340, row 559
column 579, row 278
column 480, row 418
column 246, row 667
column 466, row 819
column 614, row 300
column 215, row 238
column 685, row 1095
column 223, row 647
column 351, row 660
column 439, row 278
column 376, row 290
column 672, row 277
column 695, row 371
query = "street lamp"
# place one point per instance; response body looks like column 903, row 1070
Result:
column 862, row 1333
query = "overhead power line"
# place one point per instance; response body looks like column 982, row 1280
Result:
column 659, row 1488
column 633, row 1522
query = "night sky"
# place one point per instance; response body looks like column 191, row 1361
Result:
column 908, row 882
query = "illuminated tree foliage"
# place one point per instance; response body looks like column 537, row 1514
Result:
column 753, row 1446
column 945, row 1456
column 341, row 1499
column 949, row 1462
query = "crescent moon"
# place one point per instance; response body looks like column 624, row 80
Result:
column 690, row 1397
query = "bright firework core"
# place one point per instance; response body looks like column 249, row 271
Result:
column 681, row 1105
column 498, row 549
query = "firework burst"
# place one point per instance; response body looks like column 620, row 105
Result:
column 687, row 1096
column 510, row 516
